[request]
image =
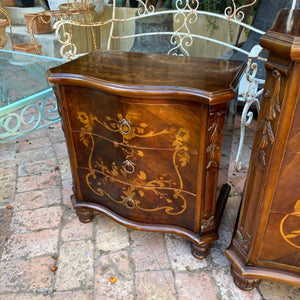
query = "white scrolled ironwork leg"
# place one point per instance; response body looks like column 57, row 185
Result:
column 249, row 92
column 246, row 119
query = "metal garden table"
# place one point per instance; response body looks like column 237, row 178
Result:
column 27, row 101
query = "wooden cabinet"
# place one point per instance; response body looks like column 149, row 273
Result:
column 144, row 135
column 266, row 242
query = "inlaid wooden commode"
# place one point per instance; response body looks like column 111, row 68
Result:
column 144, row 135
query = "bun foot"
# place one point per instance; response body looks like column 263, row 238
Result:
column 200, row 251
column 84, row 215
column 243, row 283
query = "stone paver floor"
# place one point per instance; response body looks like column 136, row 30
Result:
column 41, row 230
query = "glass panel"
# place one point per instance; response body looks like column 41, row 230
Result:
column 23, row 75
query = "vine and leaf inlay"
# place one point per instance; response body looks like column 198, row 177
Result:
column 270, row 113
column 132, row 195
column 293, row 237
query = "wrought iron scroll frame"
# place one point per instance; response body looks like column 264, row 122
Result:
column 69, row 49
column 34, row 115
column 187, row 12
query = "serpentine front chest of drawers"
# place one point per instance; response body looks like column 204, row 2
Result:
column 144, row 135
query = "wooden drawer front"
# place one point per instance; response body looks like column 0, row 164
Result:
column 137, row 166
column 135, row 124
column 140, row 204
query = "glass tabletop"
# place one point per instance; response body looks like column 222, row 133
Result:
column 23, row 75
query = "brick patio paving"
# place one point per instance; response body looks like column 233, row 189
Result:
column 41, row 230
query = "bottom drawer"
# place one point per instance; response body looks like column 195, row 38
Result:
column 138, row 203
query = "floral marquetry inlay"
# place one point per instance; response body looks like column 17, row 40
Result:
column 116, row 125
column 290, row 227
column 167, row 191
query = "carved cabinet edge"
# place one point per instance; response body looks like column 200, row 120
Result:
column 252, row 253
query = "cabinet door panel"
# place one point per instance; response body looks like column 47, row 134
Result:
column 282, row 230
column 141, row 204
column 155, row 125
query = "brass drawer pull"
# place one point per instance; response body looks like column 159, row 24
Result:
column 129, row 202
column 125, row 127
column 128, row 166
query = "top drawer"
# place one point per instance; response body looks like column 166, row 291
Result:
column 135, row 124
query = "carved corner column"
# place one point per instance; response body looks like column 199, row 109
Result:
column 259, row 248
column 210, row 211
column 212, row 162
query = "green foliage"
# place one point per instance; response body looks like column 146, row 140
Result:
column 219, row 6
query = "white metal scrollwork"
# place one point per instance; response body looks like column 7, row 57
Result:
column 249, row 92
column 237, row 13
column 184, row 18
column 184, row 14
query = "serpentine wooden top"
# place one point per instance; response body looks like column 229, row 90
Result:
column 132, row 74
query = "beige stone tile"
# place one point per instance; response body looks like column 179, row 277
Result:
column 33, row 296
column 32, row 144
column 38, row 198
column 56, row 133
column 31, row 244
column 26, row 275
column 61, row 150
column 148, row 251
column 7, row 193
column 158, row 285
column 8, row 151
column 8, row 171
column 181, row 258
column 75, row 266
column 75, row 295
column 67, row 192
column 110, row 236
column 5, row 219
column 73, row 229
column 31, row 220
column 227, row 288
column 272, row 290
column 37, row 167
column 7, row 297
column 37, row 134
column 191, row 286
column 40, row 181
column 35, row 154
column 65, row 169
column 116, row 265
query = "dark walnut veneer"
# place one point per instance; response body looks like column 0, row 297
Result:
column 266, row 241
column 144, row 135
